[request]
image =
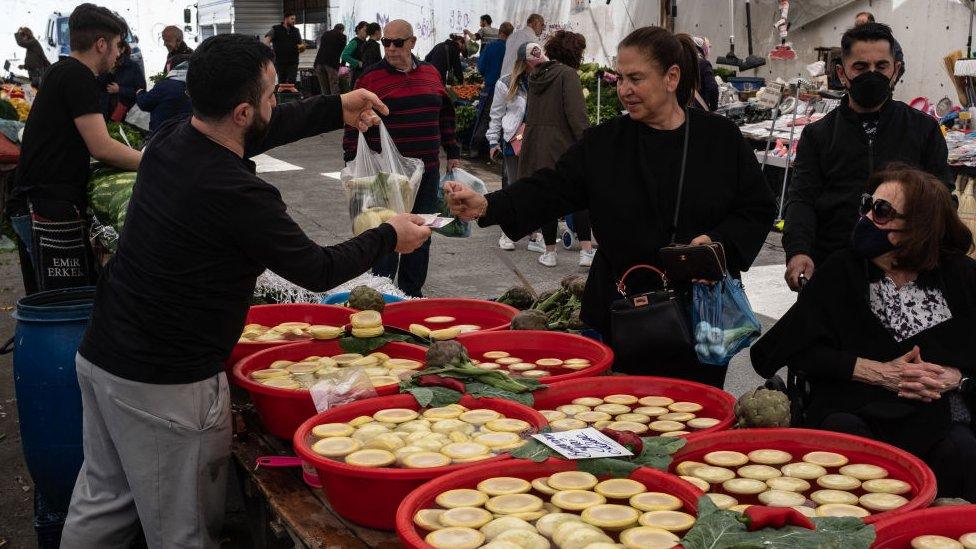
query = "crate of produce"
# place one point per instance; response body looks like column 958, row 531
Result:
column 643, row 404
column 936, row 527
column 820, row 473
column 549, row 357
column 648, row 507
column 443, row 313
column 284, row 402
column 367, row 469
column 271, row 316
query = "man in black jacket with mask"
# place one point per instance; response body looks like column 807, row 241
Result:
column 837, row 153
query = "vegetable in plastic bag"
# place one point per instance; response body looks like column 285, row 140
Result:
column 457, row 228
column 379, row 185
column 724, row 321
column 342, row 386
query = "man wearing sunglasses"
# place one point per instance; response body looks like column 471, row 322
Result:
column 421, row 122
column 836, row 154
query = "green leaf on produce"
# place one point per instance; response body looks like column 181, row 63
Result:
column 533, row 450
column 434, row 397
column 366, row 345
column 657, row 451
column 478, row 389
column 611, row 467
column 722, row 529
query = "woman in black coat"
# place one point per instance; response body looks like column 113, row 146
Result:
column 625, row 172
column 884, row 332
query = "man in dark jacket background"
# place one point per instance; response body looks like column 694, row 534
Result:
column 173, row 40
column 167, row 99
column 287, row 44
column 326, row 62
column 836, row 154
column 446, row 58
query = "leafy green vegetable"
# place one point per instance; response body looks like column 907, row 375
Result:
column 434, row 396
column 722, row 529
column 366, row 345
column 533, row 450
column 610, row 467
column 478, row 389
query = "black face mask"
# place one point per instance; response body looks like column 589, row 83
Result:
column 870, row 89
column 870, row 241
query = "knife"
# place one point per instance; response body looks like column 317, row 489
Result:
column 507, row 261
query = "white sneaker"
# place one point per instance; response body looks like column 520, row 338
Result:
column 537, row 246
column 586, row 257
column 505, row 243
column 548, row 259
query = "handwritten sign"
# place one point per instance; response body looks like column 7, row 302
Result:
column 582, row 444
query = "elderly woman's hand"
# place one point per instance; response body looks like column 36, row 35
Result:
column 886, row 374
column 927, row 381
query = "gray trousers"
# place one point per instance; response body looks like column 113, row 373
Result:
column 153, row 453
column 328, row 79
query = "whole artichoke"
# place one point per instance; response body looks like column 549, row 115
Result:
column 762, row 407
column 443, row 353
column 365, row 298
column 575, row 322
column 518, row 297
column 531, row 319
column 574, row 284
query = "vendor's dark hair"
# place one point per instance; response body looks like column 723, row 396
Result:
column 289, row 13
column 225, row 71
column 667, row 49
column 486, row 18
column 932, row 225
column 566, row 47
column 372, row 29
column 89, row 22
column 868, row 32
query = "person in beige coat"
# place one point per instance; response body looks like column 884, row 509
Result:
column 555, row 117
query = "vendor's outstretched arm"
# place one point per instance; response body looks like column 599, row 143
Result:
column 297, row 120
column 544, row 196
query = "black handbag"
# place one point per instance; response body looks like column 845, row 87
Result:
column 686, row 262
column 650, row 327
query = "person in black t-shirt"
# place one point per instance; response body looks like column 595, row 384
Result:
column 201, row 226
column 287, row 44
column 66, row 129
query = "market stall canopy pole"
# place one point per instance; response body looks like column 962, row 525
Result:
column 752, row 61
column 730, row 58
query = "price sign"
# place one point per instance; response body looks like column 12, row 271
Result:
column 582, row 444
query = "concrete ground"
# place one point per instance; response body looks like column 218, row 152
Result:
column 306, row 173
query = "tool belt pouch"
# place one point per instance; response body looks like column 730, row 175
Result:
column 649, row 326
column 61, row 256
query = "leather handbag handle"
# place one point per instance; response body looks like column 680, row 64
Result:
column 621, row 286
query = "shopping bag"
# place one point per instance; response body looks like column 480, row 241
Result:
column 723, row 319
column 457, row 228
column 381, row 184
column 138, row 118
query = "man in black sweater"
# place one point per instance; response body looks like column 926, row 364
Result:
column 326, row 63
column 287, row 43
column 836, row 154
column 201, row 227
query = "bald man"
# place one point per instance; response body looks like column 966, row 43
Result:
column 421, row 122
column 173, row 40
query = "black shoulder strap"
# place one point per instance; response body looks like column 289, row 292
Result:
column 681, row 176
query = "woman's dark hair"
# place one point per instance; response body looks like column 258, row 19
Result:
column 360, row 25
column 868, row 32
column 372, row 29
column 486, row 19
column 225, row 71
column 566, row 47
column 89, row 22
column 667, row 50
column 932, row 226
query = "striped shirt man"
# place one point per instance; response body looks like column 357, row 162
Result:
column 421, row 118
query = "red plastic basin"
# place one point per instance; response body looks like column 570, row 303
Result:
column 487, row 314
column 532, row 345
column 715, row 403
column 370, row 496
column 283, row 410
column 423, row 497
column 898, row 531
column 272, row 315
column 900, row 464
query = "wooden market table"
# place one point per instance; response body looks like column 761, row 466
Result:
column 282, row 510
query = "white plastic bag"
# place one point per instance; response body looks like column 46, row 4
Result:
column 138, row 118
column 379, row 185
column 340, row 387
column 457, row 228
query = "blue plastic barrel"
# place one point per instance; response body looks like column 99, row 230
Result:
column 49, row 329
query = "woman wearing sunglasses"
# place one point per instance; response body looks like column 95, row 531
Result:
column 884, row 332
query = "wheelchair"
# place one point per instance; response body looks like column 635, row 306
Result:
column 797, row 389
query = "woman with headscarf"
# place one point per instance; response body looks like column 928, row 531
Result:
column 507, row 115
column 627, row 172
column 708, row 94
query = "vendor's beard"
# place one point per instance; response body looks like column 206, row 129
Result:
column 257, row 131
